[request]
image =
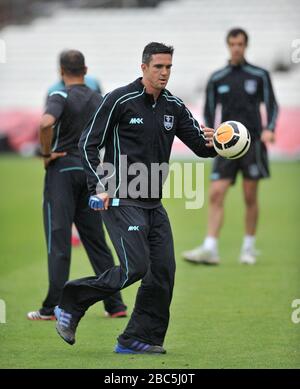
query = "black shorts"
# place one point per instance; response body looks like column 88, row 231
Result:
column 254, row 164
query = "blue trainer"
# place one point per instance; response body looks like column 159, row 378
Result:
column 65, row 325
column 136, row 347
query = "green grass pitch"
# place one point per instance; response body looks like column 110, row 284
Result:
column 231, row 316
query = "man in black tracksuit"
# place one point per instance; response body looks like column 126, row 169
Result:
column 66, row 193
column 239, row 88
column 138, row 121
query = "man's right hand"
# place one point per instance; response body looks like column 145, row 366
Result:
column 99, row 202
column 208, row 134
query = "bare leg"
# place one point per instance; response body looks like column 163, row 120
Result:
column 248, row 253
column 208, row 252
column 217, row 194
column 250, row 196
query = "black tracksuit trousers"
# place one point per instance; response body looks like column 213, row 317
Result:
column 66, row 201
column 143, row 241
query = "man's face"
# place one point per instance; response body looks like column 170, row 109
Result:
column 158, row 71
column 237, row 47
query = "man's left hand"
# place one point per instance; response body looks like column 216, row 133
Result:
column 52, row 157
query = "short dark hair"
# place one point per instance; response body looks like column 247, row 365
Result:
column 235, row 32
column 72, row 62
column 155, row 48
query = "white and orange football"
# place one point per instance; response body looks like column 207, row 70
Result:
column 231, row 140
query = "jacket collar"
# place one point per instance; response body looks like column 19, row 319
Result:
column 148, row 97
column 240, row 65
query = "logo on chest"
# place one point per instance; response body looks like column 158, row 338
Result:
column 168, row 122
column 136, row 121
column 223, row 89
column 250, row 86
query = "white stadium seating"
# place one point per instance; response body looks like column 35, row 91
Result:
column 112, row 41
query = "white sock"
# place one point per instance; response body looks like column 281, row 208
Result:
column 249, row 242
column 211, row 243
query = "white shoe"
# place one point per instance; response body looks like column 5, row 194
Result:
column 202, row 255
column 36, row 315
column 248, row 257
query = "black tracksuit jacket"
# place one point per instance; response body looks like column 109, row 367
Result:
column 129, row 123
column 240, row 90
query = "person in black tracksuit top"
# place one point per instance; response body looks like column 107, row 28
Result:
column 239, row 88
column 65, row 192
column 138, row 121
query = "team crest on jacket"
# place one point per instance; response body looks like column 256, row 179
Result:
column 168, row 122
column 250, row 86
